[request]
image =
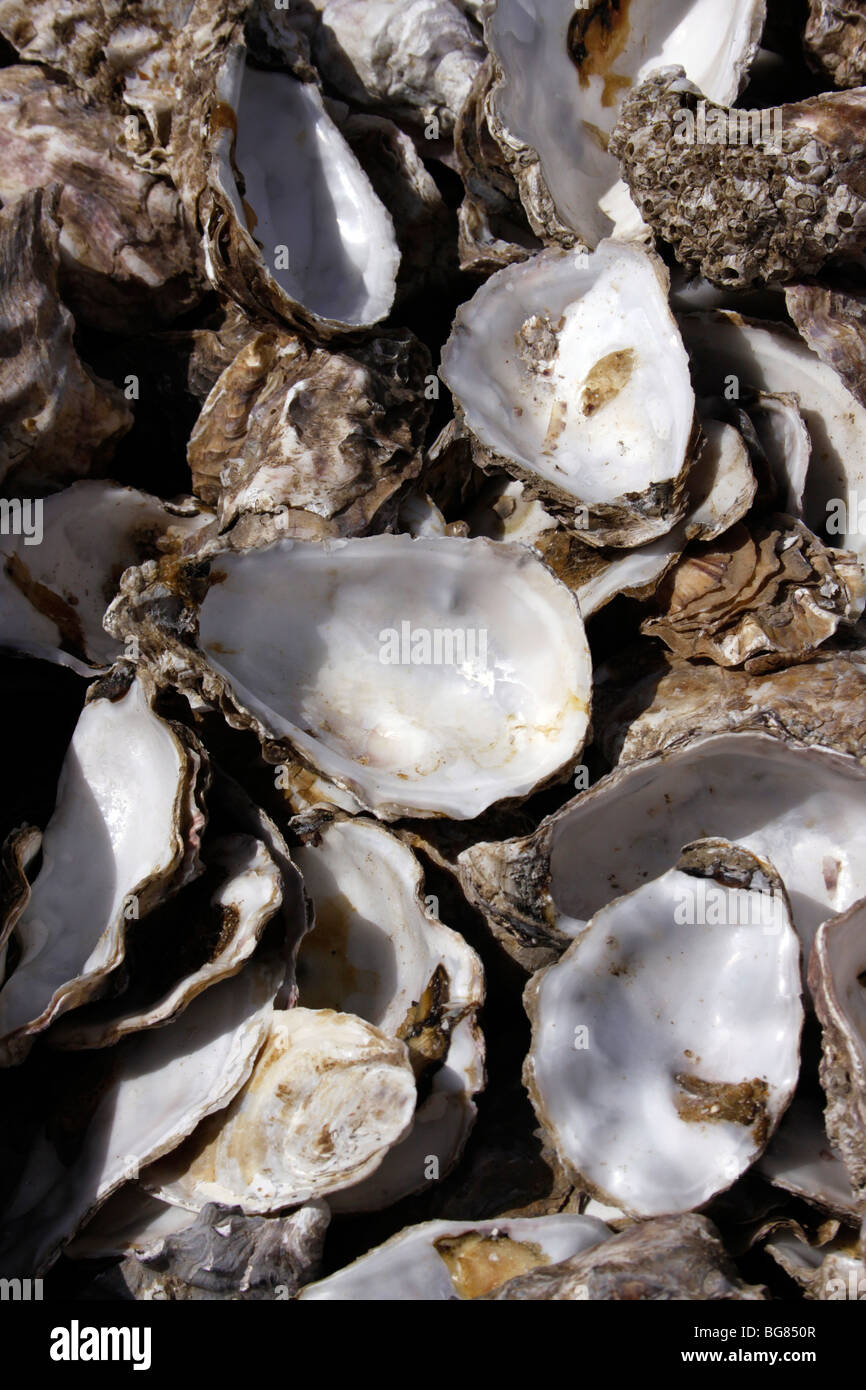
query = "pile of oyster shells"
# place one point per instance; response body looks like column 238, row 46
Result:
column 433, row 515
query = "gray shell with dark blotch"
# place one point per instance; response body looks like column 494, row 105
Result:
column 777, row 197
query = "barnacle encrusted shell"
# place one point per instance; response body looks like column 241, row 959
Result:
column 324, row 438
column 328, row 1096
column 99, row 856
column 653, row 1101
column 156, row 1087
column 502, row 708
column 571, row 376
column 459, row 1259
column 561, row 71
column 539, row 891
column 128, row 256
column 764, row 209
column 59, row 419
column 835, row 41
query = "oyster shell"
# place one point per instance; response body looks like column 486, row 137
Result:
column 797, row 807
column 59, row 419
column 328, row 1096
column 159, row 1086
column 230, row 905
column 571, row 376
column 765, row 210
column 417, row 58
column 769, row 588
column 827, row 1268
column 833, row 322
column 53, row 595
column 263, row 243
column 729, row 350
column 377, row 951
column 654, row 1103
column 562, row 71
column 835, row 41
column 801, row 1159
column 438, row 728
column 231, row 1256
column 128, row 256
column 493, row 230
column 644, row 706
column 673, row 1257
column 102, row 864
column 721, row 488
column 785, row 446
column 458, row 1259
column 325, row 439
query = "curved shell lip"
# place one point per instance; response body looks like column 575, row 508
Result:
column 631, row 519
column 510, row 881
column 462, row 1072
column 198, row 671
column 245, row 277
column 843, row 1064
column 181, row 865
column 532, row 1005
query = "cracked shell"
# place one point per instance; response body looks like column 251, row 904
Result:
column 102, row 862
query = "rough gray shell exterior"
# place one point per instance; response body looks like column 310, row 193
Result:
column 764, row 212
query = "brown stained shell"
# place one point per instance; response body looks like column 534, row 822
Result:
column 775, row 197
column 832, row 320
column 835, row 41
column 757, row 591
column 127, row 254
column 59, row 420
column 329, row 437
column 672, row 1257
column 648, row 701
